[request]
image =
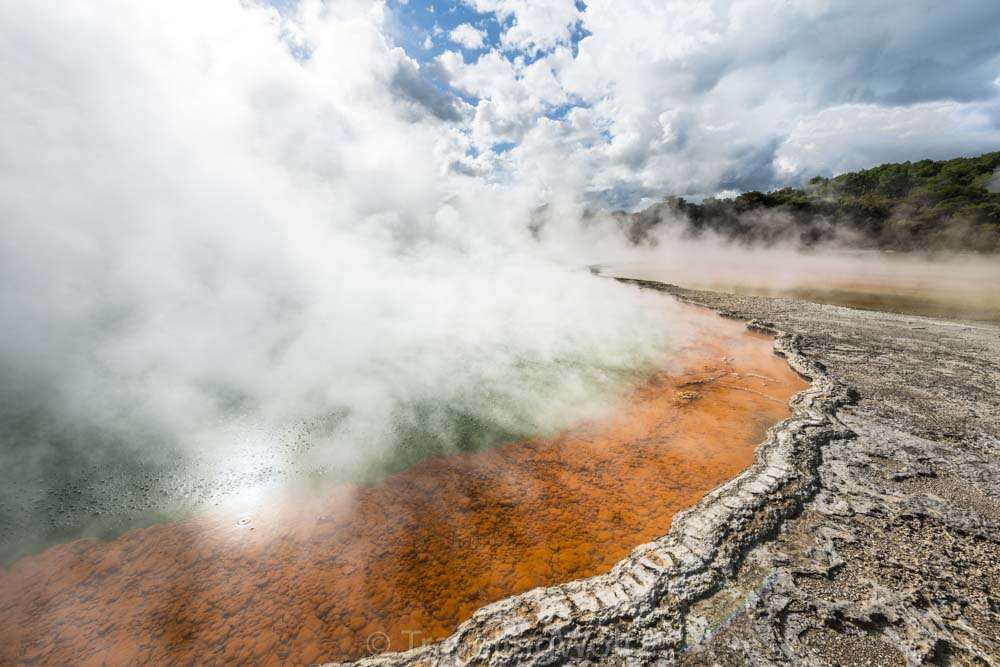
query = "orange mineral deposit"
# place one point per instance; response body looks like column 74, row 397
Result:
column 406, row 560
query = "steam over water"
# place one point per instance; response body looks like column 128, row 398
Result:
column 410, row 557
column 225, row 268
column 953, row 286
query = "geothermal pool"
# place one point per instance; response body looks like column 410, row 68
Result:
column 360, row 568
column 950, row 287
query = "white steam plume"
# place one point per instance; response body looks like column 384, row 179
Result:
column 210, row 209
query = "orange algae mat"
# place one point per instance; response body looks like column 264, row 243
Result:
column 403, row 562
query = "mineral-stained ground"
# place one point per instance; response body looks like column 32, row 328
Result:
column 867, row 531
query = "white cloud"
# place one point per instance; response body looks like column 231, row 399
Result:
column 698, row 97
column 467, row 36
column 513, row 94
column 535, row 24
column 851, row 137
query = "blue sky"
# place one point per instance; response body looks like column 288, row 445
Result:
column 423, row 29
column 418, row 19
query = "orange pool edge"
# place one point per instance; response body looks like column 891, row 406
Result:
column 406, row 560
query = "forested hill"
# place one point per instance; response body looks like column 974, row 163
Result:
column 925, row 205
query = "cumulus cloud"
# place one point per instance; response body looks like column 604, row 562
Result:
column 851, row 137
column 408, row 83
column 512, row 95
column 533, row 24
column 695, row 98
column 467, row 36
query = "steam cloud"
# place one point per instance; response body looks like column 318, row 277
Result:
column 994, row 184
column 203, row 229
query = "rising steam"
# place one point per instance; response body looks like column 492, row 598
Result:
column 224, row 230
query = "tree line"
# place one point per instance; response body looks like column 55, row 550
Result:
column 910, row 206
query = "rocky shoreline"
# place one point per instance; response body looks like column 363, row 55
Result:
column 867, row 531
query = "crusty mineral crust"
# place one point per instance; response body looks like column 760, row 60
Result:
column 867, row 531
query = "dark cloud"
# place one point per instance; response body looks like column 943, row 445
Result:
column 621, row 196
column 408, row 84
column 886, row 53
column 753, row 168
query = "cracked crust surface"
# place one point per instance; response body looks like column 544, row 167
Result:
column 867, row 531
